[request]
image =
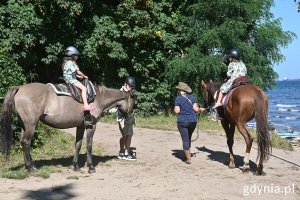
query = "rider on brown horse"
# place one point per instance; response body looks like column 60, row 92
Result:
column 236, row 68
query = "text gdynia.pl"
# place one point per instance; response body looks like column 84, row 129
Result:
column 268, row 189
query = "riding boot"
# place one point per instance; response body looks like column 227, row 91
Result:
column 187, row 156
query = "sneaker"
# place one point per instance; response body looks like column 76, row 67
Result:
column 129, row 157
column 217, row 105
column 88, row 108
column 121, row 156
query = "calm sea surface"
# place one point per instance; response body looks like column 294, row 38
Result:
column 284, row 105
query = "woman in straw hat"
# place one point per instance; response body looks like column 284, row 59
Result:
column 186, row 107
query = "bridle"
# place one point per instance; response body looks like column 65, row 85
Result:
column 130, row 101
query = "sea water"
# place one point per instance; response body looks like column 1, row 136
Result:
column 284, row 105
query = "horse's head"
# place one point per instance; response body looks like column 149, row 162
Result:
column 108, row 98
column 126, row 105
column 209, row 90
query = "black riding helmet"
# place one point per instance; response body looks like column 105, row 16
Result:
column 235, row 53
column 130, row 81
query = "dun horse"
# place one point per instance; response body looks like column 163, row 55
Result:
column 245, row 103
column 36, row 101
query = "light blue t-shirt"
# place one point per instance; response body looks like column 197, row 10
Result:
column 69, row 71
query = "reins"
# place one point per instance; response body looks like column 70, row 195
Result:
column 197, row 128
column 130, row 104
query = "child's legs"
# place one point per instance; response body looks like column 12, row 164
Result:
column 220, row 97
column 83, row 92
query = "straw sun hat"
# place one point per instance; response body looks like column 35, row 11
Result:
column 184, row 87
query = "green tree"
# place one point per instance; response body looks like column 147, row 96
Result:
column 218, row 26
column 11, row 73
column 159, row 42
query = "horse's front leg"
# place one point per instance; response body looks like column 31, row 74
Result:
column 229, row 130
column 78, row 144
column 89, row 147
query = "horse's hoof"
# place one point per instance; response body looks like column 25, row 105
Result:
column 231, row 166
column 259, row 170
column 246, row 168
column 91, row 169
column 31, row 168
column 260, row 173
column 76, row 168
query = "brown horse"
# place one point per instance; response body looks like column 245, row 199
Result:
column 245, row 103
column 37, row 101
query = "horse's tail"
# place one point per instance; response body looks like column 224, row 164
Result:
column 6, row 135
column 262, row 127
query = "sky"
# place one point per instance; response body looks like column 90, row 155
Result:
column 290, row 21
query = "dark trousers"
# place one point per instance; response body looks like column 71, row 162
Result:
column 186, row 130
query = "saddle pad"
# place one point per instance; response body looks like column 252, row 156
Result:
column 60, row 89
column 226, row 98
column 70, row 90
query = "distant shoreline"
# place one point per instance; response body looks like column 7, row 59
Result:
column 290, row 79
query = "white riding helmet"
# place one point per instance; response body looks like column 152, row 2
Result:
column 70, row 51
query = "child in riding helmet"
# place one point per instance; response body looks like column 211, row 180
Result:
column 71, row 72
column 236, row 68
column 126, row 125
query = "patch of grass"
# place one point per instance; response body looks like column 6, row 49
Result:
column 163, row 122
column 14, row 174
column 73, row 177
column 281, row 143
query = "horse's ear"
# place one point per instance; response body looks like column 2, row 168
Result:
column 203, row 84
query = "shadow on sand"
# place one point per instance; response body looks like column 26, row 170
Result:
column 221, row 157
column 55, row 192
column 67, row 161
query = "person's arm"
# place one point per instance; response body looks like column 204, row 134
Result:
column 202, row 109
column 230, row 70
column 177, row 109
column 80, row 74
column 196, row 107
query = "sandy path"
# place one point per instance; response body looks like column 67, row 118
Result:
column 160, row 174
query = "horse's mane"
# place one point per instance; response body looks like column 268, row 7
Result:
column 214, row 86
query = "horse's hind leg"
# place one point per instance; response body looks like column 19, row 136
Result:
column 26, row 137
column 248, row 139
column 89, row 147
column 229, row 130
column 259, row 170
column 78, row 144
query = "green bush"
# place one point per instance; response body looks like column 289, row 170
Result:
column 11, row 73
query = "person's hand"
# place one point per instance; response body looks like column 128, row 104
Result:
column 202, row 109
column 79, row 77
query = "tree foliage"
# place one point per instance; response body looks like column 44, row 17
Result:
column 218, row 26
column 11, row 74
column 160, row 42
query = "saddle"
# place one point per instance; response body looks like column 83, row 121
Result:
column 242, row 80
column 68, row 89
